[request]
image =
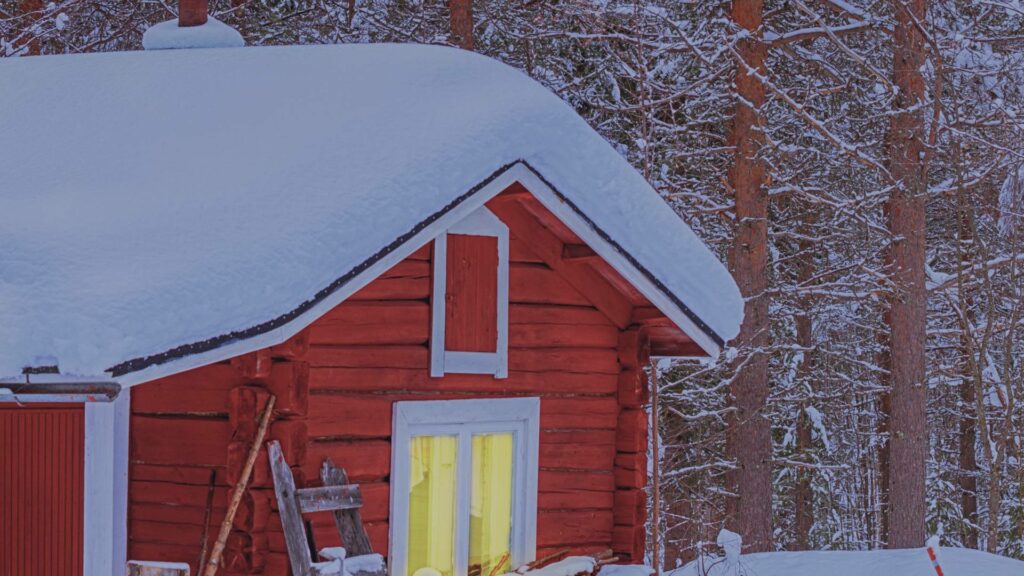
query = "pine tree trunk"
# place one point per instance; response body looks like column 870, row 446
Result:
column 968, row 464
column 31, row 8
column 968, row 479
column 749, row 435
column 908, row 440
column 803, row 497
column 884, row 413
column 461, row 23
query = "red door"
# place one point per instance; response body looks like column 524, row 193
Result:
column 42, row 455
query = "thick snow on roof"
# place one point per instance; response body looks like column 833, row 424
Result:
column 152, row 200
column 909, row 562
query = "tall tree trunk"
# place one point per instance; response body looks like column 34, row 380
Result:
column 968, row 463
column 31, row 8
column 908, row 440
column 884, row 454
column 968, row 478
column 461, row 23
column 803, row 498
column 749, row 436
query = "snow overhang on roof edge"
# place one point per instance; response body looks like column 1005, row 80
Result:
column 283, row 327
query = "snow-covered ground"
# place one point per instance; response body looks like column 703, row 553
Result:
column 912, row 562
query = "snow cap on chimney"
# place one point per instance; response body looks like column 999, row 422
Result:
column 193, row 28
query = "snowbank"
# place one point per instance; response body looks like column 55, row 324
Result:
column 914, row 562
column 154, row 200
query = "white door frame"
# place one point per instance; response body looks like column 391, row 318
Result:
column 105, row 478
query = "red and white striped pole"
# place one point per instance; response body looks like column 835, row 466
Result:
column 933, row 553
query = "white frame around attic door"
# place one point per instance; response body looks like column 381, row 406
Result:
column 464, row 418
column 481, row 222
column 104, row 479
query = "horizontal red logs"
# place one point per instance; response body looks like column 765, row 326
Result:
column 631, row 470
column 364, row 461
column 546, row 314
column 289, row 382
column 368, row 323
column 538, row 284
column 570, row 527
column 630, row 507
column 632, row 431
column 589, row 420
column 382, row 379
column 179, row 474
column 200, row 391
column 575, row 500
column 407, row 280
column 560, row 480
column 193, row 441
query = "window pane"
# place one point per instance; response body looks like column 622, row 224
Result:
column 432, row 505
column 490, row 523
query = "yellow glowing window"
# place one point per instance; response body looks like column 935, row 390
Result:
column 464, row 487
column 490, row 522
column 432, row 504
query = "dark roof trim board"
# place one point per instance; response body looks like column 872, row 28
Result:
column 140, row 363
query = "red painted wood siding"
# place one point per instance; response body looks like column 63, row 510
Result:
column 42, row 456
column 337, row 383
column 471, row 294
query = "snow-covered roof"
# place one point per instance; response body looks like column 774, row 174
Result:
column 166, row 209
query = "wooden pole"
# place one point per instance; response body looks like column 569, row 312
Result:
column 655, row 474
column 203, row 543
column 236, row 495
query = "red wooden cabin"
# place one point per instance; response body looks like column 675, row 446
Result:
column 473, row 315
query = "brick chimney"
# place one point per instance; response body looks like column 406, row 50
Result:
column 192, row 12
column 193, row 28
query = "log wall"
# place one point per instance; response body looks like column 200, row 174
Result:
column 336, row 384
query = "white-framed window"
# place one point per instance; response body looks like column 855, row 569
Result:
column 469, row 324
column 464, row 486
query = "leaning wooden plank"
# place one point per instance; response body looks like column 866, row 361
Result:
column 350, row 521
column 329, row 498
column 142, row 568
column 291, row 518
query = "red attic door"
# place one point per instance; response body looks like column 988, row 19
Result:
column 42, row 456
column 471, row 294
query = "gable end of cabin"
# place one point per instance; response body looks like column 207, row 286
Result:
column 516, row 307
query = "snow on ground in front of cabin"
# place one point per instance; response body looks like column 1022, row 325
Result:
column 157, row 199
column 911, row 562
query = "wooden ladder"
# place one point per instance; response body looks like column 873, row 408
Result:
column 337, row 496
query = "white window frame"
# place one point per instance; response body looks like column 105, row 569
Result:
column 481, row 222
column 105, row 479
column 464, row 418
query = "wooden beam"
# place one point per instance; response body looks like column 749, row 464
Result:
column 587, row 281
column 514, row 192
column 579, row 253
column 329, row 498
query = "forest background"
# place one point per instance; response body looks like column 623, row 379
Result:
column 858, row 163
